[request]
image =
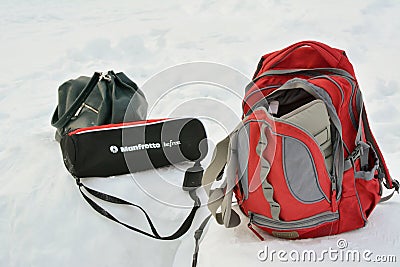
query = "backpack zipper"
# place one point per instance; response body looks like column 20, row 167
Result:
column 250, row 225
column 312, row 221
column 326, row 77
column 259, row 90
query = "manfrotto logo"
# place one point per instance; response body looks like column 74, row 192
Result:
column 124, row 149
column 113, row 149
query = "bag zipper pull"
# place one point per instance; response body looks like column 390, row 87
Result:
column 84, row 105
column 333, row 198
column 79, row 110
column 250, row 225
column 334, row 202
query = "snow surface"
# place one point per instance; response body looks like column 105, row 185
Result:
column 43, row 219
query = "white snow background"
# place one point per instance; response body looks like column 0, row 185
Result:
column 43, row 219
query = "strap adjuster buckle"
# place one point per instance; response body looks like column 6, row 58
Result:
column 355, row 154
column 193, row 177
column 78, row 181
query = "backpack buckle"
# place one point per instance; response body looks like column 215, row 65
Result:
column 355, row 154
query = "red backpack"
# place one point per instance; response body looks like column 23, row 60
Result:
column 303, row 162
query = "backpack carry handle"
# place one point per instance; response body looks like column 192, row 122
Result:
column 324, row 50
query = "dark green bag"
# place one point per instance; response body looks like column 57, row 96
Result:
column 102, row 99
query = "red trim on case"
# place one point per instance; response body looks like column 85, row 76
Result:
column 106, row 126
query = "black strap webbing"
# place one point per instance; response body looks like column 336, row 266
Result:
column 112, row 199
column 396, row 187
column 386, row 198
column 197, row 236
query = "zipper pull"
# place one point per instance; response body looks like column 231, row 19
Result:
column 250, row 225
column 334, row 184
column 334, row 202
column 333, row 197
column 79, row 110
column 84, row 105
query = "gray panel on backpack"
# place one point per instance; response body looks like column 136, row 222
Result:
column 300, row 172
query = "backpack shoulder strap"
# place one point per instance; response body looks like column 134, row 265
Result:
column 221, row 197
column 383, row 172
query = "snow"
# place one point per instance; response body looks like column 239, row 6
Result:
column 43, row 219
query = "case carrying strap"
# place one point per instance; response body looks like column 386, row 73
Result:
column 185, row 226
column 60, row 122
